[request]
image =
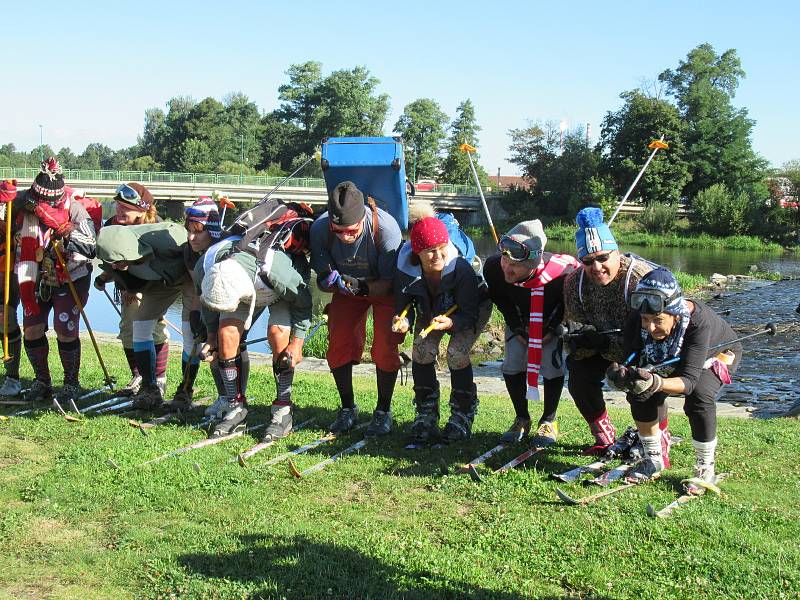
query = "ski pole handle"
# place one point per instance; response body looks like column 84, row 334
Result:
column 402, row 315
column 424, row 333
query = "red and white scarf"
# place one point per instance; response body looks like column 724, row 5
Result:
column 545, row 273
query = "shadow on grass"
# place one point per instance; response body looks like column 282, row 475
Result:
column 303, row 568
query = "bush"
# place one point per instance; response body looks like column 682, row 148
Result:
column 721, row 213
column 660, row 217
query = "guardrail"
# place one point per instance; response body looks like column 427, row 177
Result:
column 216, row 179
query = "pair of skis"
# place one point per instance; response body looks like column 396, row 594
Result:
column 320, row 465
column 684, row 498
column 471, row 467
column 328, row 437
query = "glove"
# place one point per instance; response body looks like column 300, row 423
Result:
column 99, row 283
column 197, row 326
column 55, row 218
column 333, row 280
column 591, row 339
column 643, row 384
column 617, row 376
column 8, row 190
column 355, row 286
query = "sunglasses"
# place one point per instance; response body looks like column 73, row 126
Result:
column 353, row 230
column 127, row 194
column 600, row 258
column 651, row 302
column 516, row 251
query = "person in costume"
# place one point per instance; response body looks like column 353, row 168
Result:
column 134, row 205
column 596, row 301
column 432, row 279
column 527, row 286
column 354, row 253
column 665, row 326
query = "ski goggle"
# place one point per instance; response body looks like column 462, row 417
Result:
column 516, row 251
column 651, row 302
column 127, row 194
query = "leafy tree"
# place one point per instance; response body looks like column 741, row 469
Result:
column 178, row 111
column 624, row 137
column 535, row 149
column 142, row 163
column 301, row 101
column 423, row 125
column 463, row 129
column 348, row 105
column 67, row 158
column 718, row 145
column 279, row 140
column 195, row 156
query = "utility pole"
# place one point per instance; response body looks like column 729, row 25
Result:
column 241, row 164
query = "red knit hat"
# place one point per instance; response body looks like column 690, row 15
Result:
column 426, row 233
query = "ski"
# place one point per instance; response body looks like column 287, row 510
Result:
column 114, row 407
column 106, row 402
column 683, row 499
column 243, row 456
column 328, row 461
column 166, row 418
column 196, row 445
column 514, row 462
column 614, row 474
column 567, row 499
column 575, row 474
column 97, row 392
column 483, row 457
column 328, row 437
column 13, row 403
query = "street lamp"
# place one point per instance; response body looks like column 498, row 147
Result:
column 41, row 143
column 241, row 164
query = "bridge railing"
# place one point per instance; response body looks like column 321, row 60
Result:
column 200, row 178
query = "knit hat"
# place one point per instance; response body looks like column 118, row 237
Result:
column 204, row 211
column 593, row 234
column 530, row 234
column 49, row 183
column 663, row 282
column 225, row 285
column 346, row 205
column 143, row 203
column 427, row 233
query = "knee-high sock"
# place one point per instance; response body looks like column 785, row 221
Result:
column 15, row 350
column 130, row 356
column 189, row 368
column 162, row 359
column 283, row 385
column 144, row 350
column 70, row 353
column 37, row 351
column 343, row 376
column 244, row 370
column 230, row 369
column 517, row 386
column 552, row 396
column 386, row 381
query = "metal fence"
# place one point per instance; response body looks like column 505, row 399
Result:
column 201, row 178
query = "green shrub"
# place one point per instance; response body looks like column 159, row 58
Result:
column 660, row 217
column 721, row 213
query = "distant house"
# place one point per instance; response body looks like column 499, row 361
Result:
column 505, row 182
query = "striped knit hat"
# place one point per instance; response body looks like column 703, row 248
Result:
column 49, row 183
column 204, row 211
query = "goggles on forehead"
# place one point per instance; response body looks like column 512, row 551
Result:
column 516, row 251
column 127, row 194
column 651, row 302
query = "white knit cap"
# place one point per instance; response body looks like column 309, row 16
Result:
column 225, row 285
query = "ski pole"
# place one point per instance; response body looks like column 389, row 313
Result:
column 74, row 292
column 655, row 146
column 465, row 147
column 110, row 299
column 225, row 204
column 402, row 315
column 314, row 329
column 6, row 355
column 424, row 333
column 563, row 332
column 769, row 329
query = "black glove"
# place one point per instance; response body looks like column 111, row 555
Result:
column 643, row 384
column 197, row 326
column 591, row 339
column 617, row 376
column 99, row 283
column 356, row 285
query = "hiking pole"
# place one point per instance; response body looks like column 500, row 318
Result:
column 465, row 147
column 424, row 333
column 655, row 146
column 562, row 332
column 74, row 292
column 402, row 315
column 7, row 274
column 110, row 299
column 314, row 329
column 769, row 329
column 287, row 178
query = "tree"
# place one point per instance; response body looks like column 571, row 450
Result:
column 463, row 129
column 718, row 145
column 422, row 125
column 300, row 101
column 534, row 149
column 154, row 139
column 348, row 105
column 178, row 111
column 279, row 140
column 624, row 137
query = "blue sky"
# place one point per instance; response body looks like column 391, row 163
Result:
column 87, row 71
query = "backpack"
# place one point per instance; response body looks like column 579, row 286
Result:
column 273, row 224
column 460, row 240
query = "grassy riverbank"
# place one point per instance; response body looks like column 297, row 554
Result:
column 381, row 524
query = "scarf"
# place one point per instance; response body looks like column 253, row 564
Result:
column 555, row 267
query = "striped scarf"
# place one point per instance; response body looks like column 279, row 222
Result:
column 555, row 267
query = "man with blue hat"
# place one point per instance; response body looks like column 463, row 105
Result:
column 596, row 301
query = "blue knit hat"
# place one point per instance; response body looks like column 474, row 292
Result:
column 204, row 211
column 593, row 234
column 662, row 280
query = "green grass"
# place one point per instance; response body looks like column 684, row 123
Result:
column 381, row 524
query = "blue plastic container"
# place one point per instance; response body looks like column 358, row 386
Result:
column 375, row 164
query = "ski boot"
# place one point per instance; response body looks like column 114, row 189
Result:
column 345, row 420
column 519, row 430
column 233, row 418
column 66, row 398
column 647, row 470
column 133, row 387
column 623, row 445
column 39, row 392
column 11, row 387
column 704, row 479
column 425, row 428
column 181, row 401
column 546, row 435
column 281, row 424
column 381, row 423
column 463, row 406
column 148, row 398
column 215, row 409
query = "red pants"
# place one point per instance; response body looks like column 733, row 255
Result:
column 347, row 331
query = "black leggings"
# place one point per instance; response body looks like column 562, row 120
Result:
column 586, row 385
column 700, row 407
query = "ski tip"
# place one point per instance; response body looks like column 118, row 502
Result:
column 651, row 511
column 4, row 418
column 143, row 429
column 112, row 464
column 240, row 459
column 564, row 497
column 197, row 467
column 473, row 473
column 293, row 469
column 134, row 423
column 73, row 406
column 71, row 419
